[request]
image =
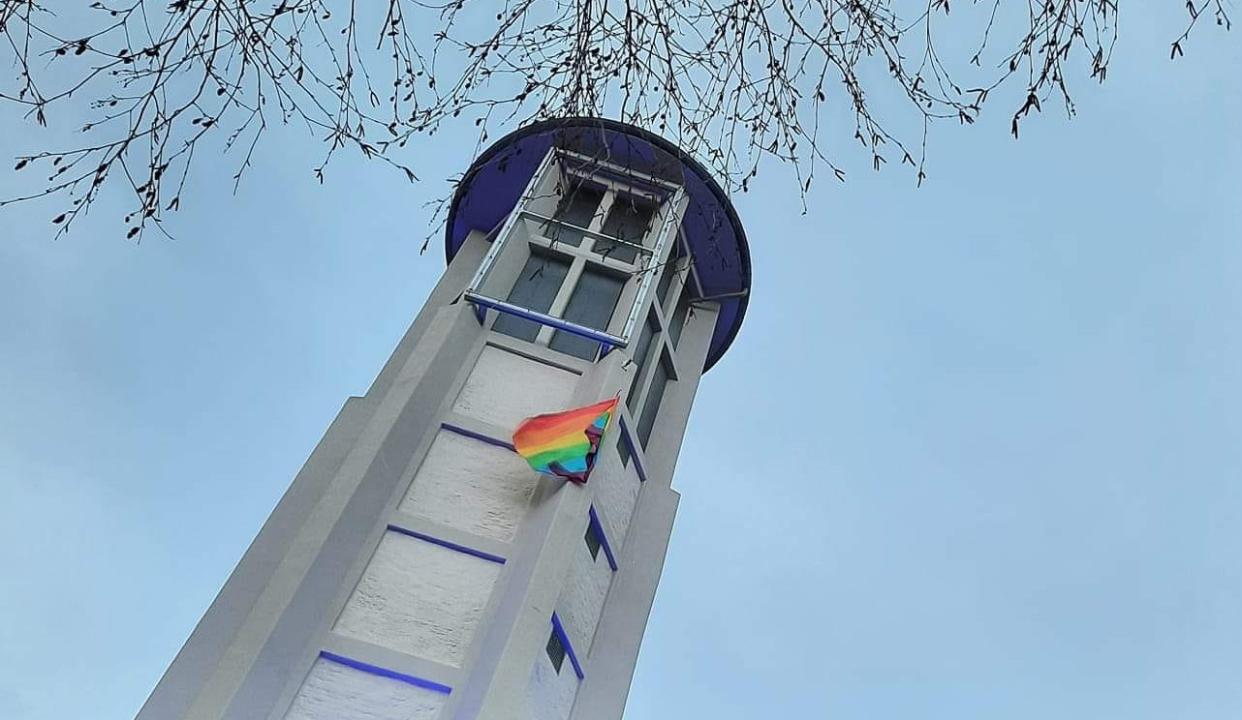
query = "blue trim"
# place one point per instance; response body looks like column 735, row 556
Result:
column 604, row 339
column 603, row 539
column 629, row 444
column 478, row 436
column 569, row 647
column 446, row 544
column 385, row 672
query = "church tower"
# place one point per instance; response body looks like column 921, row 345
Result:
column 417, row 569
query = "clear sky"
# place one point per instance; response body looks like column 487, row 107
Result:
column 976, row 454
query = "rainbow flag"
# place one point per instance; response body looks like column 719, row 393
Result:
column 564, row 444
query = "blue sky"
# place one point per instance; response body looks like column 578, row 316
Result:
column 975, row 453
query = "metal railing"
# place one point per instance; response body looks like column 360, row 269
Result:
column 483, row 303
column 672, row 219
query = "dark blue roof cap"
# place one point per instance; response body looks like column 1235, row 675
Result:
column 494, row 183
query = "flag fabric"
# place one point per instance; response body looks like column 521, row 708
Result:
column 564, row 444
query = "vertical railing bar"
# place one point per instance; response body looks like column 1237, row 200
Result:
column 657, row 257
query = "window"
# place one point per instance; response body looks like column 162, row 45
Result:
column 576, row 208
column 556, row 650
column 584, row 242
column 535, row 289
column 592, row 540
column 623, row 447
column 651, row 406
column 641, row 351
column 592, row 304
column 629, row 220
column 667, row 273
column 678, row 321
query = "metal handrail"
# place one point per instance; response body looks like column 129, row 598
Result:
column 482, row 303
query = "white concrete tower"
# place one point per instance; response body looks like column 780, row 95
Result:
column 417, row 569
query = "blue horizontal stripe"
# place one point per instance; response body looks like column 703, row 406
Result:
column 477, row 436
column 385, row 672
column 447, row 544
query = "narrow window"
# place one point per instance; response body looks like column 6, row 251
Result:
column 591, row 305
column 678, row 321
column 651, row 406
column 556, row 651
column 592, row 540
column 641, row 351
column 574, row 212
column 623, row 447
column 667, row 272
column 535, row 289
column 629, row 220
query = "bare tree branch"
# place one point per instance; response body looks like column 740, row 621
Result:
column 733, row 82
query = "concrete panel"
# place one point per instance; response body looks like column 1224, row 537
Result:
column 582, row 598
column 505, row 388
column 603, row 692
column 335, row 692
column 419, row 598
column 222, row 623
column 276, row 646
column 550, row 695
column 473, row 486
column 616, row 492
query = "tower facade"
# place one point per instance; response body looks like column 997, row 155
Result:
column 417, row 569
